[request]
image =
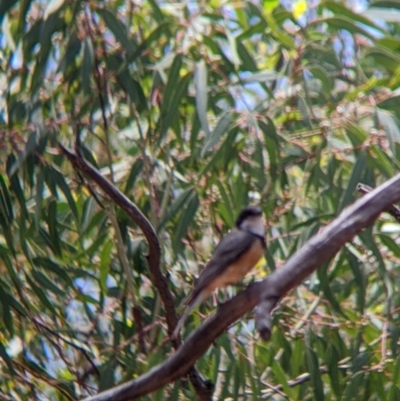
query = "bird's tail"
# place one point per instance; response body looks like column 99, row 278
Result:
column 194, row 302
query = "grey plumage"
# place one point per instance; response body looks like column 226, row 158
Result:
column 235, row 255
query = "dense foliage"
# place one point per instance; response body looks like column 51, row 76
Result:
column 194, row 110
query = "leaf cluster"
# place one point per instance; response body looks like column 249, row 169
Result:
column 194, row 110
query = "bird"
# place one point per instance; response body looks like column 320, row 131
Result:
column 237, row 253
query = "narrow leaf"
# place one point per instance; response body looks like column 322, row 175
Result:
column 45, row 303
column 176, row 205
column 218, row 131
column 29, row 148
column 45, row 283
column 8, row 361
column 118, row 29
column 61, row 183
column 200, row 82
column 5, row 200
column 6, row 309
column 87, row 65
column 355, row 178
column 264, row 76
column 105, row 259
column 53, row 267
column 170, row 111
column 52, row 226
column 313, row 367
column 186, row 219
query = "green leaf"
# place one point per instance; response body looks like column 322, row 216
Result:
column 222, row 126
column 358, row 280
column 321, row 74
column 176, row 205
column 174, row 91
column 52, row 226
column 342, row 22
column 324, row 283
column 226, row 203
column 6, row 309
column 248, row 62
column 303, row 107
column 368, row 239
column 394, row 393
column 133, row 175
column 72, row 51
column 356, row 135
column 173, row 78
column 59, row 180
column 29, row 148
column 394, row 338
column 186, row 219
column 87, row 65
column 200, row 82
column 381, row 161
column 315, row 374
column 352, row 390
column 385, row 57
column 105, row 259
column 284, row 39
column 53, row 267
column 226, row 383
column 396, row 372
column 223, row 154
column 45, row 283
column 5, row 201
column 270, row 5
column 271, row 141
column 17, row 306
column 39, row 198
column 341, row 10
column 146, row 45
column 390, row 124
column 118, row 29
column 157, row 11
column 264, row 76
column 281, row 378
column 95, row 246
column 390, row 244
column 216, row 364
column 15, row 184
column 332, row 362
column 386, row 3
column 5, row 357
column 233, row 53
column 45, row 302
column 355, row 178
column 89, row 212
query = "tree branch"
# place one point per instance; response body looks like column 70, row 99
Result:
column 202, row 387
column 154, row 254
column 317, row 251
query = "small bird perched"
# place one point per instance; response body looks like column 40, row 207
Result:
column 237, row 253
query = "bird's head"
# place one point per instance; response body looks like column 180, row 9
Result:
column 251, row 219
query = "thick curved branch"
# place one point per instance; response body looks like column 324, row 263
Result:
column 154, row 254
column 317, row 251
column 202, row 387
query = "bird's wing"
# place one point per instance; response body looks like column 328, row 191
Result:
column 232, row 246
